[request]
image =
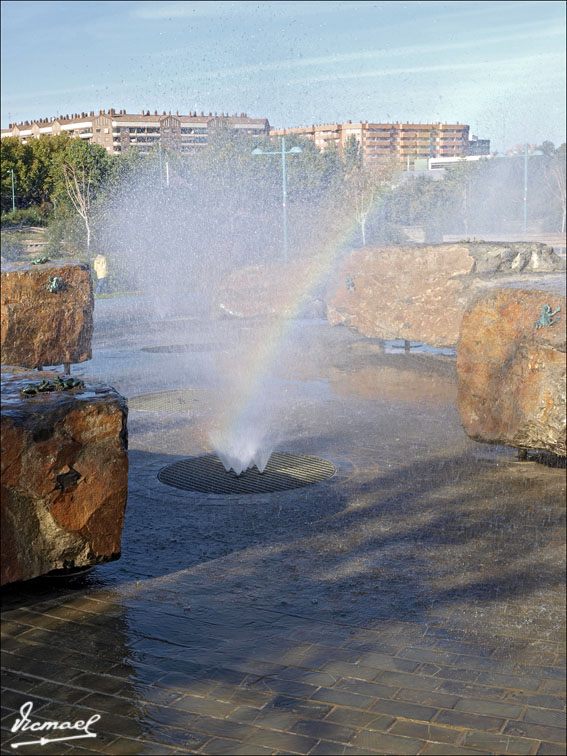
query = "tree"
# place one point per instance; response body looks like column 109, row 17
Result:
column 364, row 184
column 555, row 173
column 32, row 164
column 15, row 156
column 352, row 156
column 80, row 175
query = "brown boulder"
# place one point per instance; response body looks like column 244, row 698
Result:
column 419, row 293
column 274, row 290
column 64, row 476
column 411, row 293
column 511, row 374
column 41, row 327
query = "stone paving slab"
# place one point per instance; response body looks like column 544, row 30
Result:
column 412, row 604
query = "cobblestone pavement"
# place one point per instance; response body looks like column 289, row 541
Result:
column 412, row 604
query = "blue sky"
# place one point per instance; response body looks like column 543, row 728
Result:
column 498, row 66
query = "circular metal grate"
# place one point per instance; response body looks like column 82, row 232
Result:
column 181, row 400
column 283, row 472
column 181, row 348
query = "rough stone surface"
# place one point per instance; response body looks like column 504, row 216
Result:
column 420, row 293
column 40, row 327
column 271, row 291
column 64, row 476
column 502, row 257
column 511, row 375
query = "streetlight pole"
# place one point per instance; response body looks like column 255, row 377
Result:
column 527, row 153
column 526, row 189
column 284, row 201
column 11, row 170
column 292, row 151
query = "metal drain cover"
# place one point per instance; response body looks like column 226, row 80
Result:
column 180, row 348
column 283, row 472
column 181, row 400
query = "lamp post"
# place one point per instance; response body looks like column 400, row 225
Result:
column 283, row 153
column 13, row 192
column 527, row 153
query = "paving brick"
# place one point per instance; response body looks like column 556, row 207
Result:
column 426, row 732
column 176, row 737
column 427, row 698
column 509, row 681
column 356, row 671
column 469, row 721
column 484, row 664
column 440, row 749
column 307, row 676
column 535, row 731
column 18, row 682
column 429, row 655
column 498, row 743
column 551, row 749
column 550, row 673
column 376, row 646
column 408, row 681
column 219, row 747
column 282, row 741
column 462, row 647
column 449, row 673
column 205, row 706
column 363, row 719
column 239, row 696
column 307, row 709
column 473, row 690
column 405, row 710
column 326, row 748
column 99, row 683
column 110, row 704
column 342, row 698
column 323, row 729
column 222, row 727
column 127, row 746
column 268, row 719
column 391, row 663
column 552, row 686
column 365, row 688
column 290, row 687
column 542, row 700
column 385, row 743
column 54, row 672
column 489, row 708
column 544, row 717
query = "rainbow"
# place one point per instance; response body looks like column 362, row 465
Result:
column 260, row 359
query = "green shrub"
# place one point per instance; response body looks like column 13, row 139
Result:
column 29, row 216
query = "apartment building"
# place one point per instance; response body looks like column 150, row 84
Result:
column 118, row 131
column 405, row 141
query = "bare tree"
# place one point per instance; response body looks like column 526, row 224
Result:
column 84, row 168
column 364, row 185
column 556, row 173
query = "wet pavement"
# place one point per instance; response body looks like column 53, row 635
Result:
column 412, row 604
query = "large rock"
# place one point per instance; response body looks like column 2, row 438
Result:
column 64, row 476
column 520, row 257
column 419, row 293
column 274, row 290
column 511, row 374
column 42, row 327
